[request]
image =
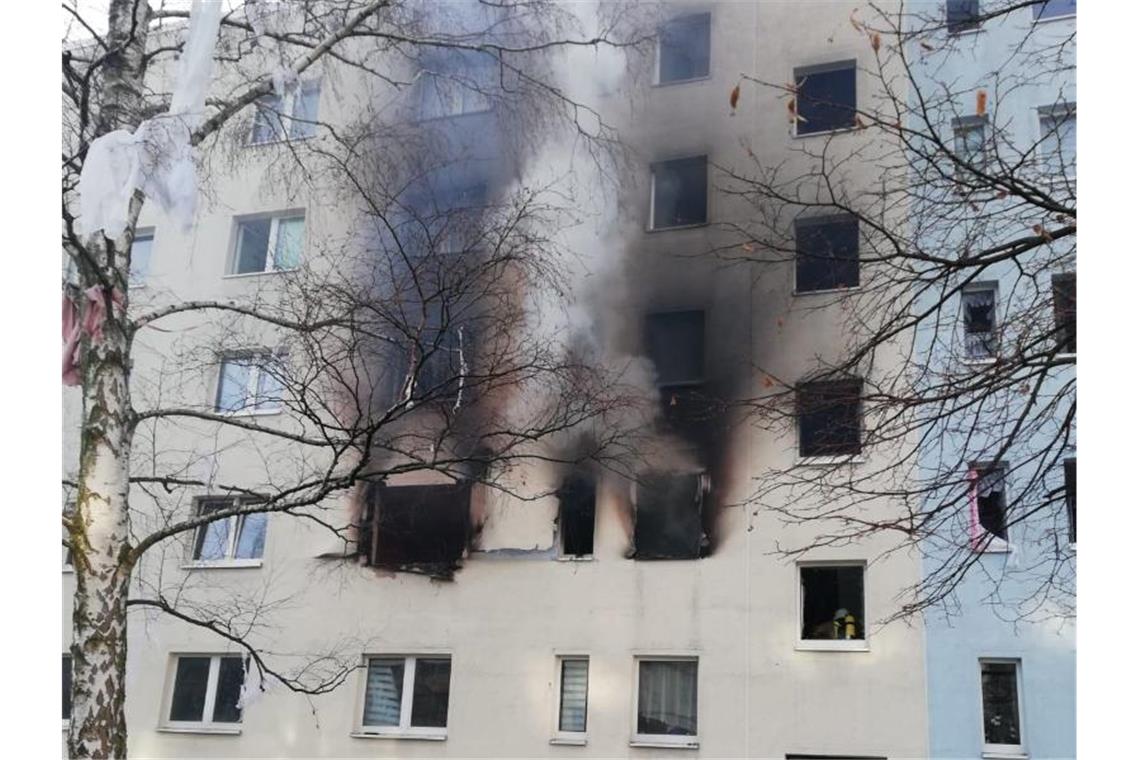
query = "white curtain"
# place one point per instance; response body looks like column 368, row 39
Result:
column 667, row 697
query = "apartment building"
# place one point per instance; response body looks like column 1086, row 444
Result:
column 613, row 617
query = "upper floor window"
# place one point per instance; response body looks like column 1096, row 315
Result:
column 140, row 257
column 235, row 538
column 577, row 498
column 1001, row 708
column 421, row 527
column 206, row 691
column 67, row 687
column 455, row 82
column 675, row 342
column 407, row 696
column 1048, row 9
column 574, row 682
column 291, row 116
column 830, row 415
column 1071, row 497
column 827, row 253
column 831, row 603
column 679, row 193
column 825, row 97
column 970, row 143
column 683, row 48
column 979, row 321
column 668, row 521
column 1065, row 311
column 268, row 244
column 1058, row 146
column 250, row 382
column 667, row 701
column 962, row 16
column 988, row 519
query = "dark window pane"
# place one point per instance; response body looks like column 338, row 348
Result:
column 1071, row 497
column 1065, row 312
column 978, row 322
column 190, row 679
column 961, row 15
column 66, row 686
column 667, row 698
column 231, row 674
column 827, row 254
column 999, row 703
column 253, row 243
column 430, row 691
column 675, row 342
column 383, row 693
column 825, row 99
column 213, row 539
column 830, row 418
column 576, row 499
column 680, row 192
column 575, row 687
column 667, row 523
column 685, row 48
column 832, row 602
column 990, row 494
column 421, row 525
column 1054, row 8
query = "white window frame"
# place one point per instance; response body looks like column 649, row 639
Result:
column 251, row 383
column 234, row 524
column 986, row 542
column 652, row 226
column 139, row 280
column 976, row 287
column 657, row 49
column 1004, row 750
column 1037, row 20
column 283, row 120
column 405, row 730
column 1039, row 114
column 831, row 645
column 206, row 725
column 574, row 738
column 663, row 740
column 275, row 218
column 823, row 68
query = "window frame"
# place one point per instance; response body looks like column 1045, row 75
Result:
column 682, row 16
column 275, row 218
column 407, row 691
column 455, row 67
column 1070, row 465
column 1038, row 20
column 137, row 279
column 975, row 24
column 983, row 541
column 961, row 126
column 799, row 72
column 652, row 225
column 1061, row 350
column 808, row 222
column 252, row 383
column 1051, row 111
column 282, row 124
column 1004, row 750
column 830, row 645
column 681, row 741
column 558, row 736
column 203, row 726
column 563, row 555
column 830, row 459
column 67, row 667
column 991, row 286
column 234, row 526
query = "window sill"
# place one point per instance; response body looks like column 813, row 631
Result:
column 203, row 729
column 833, row 645
column 829, row 461
column 404, row 735
column 572, row 558
column 222, row 564
column 283, row 141
column 250, row 413
column 705, row 78
column 694, row 226
column 68, row 569
column 449, row 116
column 980, row 362
column 825, row 132
column 665, row 742
column 964, row 32
column 999, row 755
column 827, row 291
column 1036, row 21
column 264, row 273
column 567, row 741
column 995, row 546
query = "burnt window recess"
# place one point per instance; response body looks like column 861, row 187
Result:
column 67, row 687
column 577, row 498
column 825, row 97
column 979, row 321
column 1071, row 497
column 418, row 528
column 428, row 365
column 679, row 192
column 827, row 253
column 989, row 500
column 675, row 342
column 832, row 602
column 1001, row 708
column 830, row 418
column 962, row 16
column 684, row 47
column 970, row 144
column 207, row 689
column 668, row 521
column 1065, row 312
column 666, row 700
column 406, row 695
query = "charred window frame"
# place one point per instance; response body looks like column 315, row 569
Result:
column 405, row 696
column 1071, row 497
column 238, row 540
column 989, row 511
column 1065, row 312
column 577, row 506
column 433, row 360
column 830, row 418
column 832, row 610
column 962, row 16
column 1001, row 707
column 979, row 321
column 827, row 253
column 205, row 691
column 666, row 708
column 825, row 98
column 423, row 528
column 683, row 49
column 679, row 193
column 668, row 520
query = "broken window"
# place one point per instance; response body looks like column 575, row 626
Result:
column 238, row 537
column 827, row 253
column 666, row 700
column 417, row 527
column 407, row 695
column 830, row 418
column 679, row 193
column 988, row 497
column 683, row 51
column 668, row 519
column 825, row 97
column 1065, row 312
column 576, row 505
column 1071, row 497
column 1001, row 709
column 832, row 599
column 206, row 689
column 67, row 687
column 979, row 321
column 962, row 16
column 572, row 695
column 675, row 342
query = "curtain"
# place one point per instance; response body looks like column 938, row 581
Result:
column 290, row 239
column 572, row 715
column 667, row 697
column 383, row 692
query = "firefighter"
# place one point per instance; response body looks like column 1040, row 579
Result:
column 844, row 624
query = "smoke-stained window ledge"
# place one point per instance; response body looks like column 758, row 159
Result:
column 403, row 735
column 830, row 461
column 695, row 226
column 666, row 742
column 833, row 645
column 568, row 741
column 827, row 291
column 705, row 78
column 222, row 564
column 203, row 729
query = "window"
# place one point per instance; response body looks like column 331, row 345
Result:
column 679, row 193
column 831, row 603
column 407, row 695
column 1058, row 146
column 1054, row 9
column 667, row 701
column 979, row 321
column 1065, row 312
column 667, row 516
column 576, row 505
column 675, row 342
column 683, row 50
column 1001, row 707
column 825, row 97
column 988, row 505
column 207, row 690
column 239, row 537
column 1071, row 497
column 830, row 418
column 423, row 528
column 293, row 115
column 251, row 383
column 827, row 253
column 268, row 244
column 574, row 682
column 962, row 16
column 456, row 82
column 68, row 556
column 970, row 144
column 140, row 258
column 67, row 687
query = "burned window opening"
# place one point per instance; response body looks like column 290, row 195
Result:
column 577, row 499
column 417, row 528
column 979, row 321
column 668, row 519
column 675, row 342
column 832, row 599
column 825, row 97
column 989, row 496
column 680, row 193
